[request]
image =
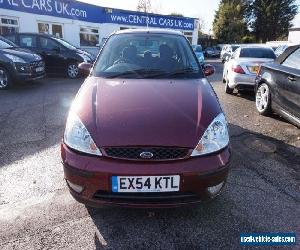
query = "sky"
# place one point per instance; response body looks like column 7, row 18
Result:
column 205, row 9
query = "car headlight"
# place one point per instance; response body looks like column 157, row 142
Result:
column 37, row 57
column 78, row 137
column 15, row 59
column 215, row 138
column 85, row 58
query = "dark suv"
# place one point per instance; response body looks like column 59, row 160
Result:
column 60, row 56
column 17, row 64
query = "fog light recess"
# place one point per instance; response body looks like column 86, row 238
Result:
column 75, row 187
column 214, row 190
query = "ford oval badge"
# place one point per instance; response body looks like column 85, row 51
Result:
column 146, row 155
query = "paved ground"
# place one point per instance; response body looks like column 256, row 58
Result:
column 37, row 212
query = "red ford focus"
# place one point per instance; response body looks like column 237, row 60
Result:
column 146, row 128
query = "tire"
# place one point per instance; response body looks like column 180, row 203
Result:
column 5, row 79
column 72, row 70
column 228, row 90
column 263, row 99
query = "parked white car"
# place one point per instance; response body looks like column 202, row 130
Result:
column 240, row 70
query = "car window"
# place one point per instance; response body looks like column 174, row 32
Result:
column 47, row 43
column 146, row 56
column 234, row 48
column 257, row 53
column 293, row 60
column 5, row 45
column 11, row 38
column 65, row 43
column 27, row 41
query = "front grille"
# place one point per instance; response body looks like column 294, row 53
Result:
column 158, row 153
column 150, row 198
column 37, row 64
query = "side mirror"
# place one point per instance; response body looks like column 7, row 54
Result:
column 85, row 68
column 208, row 69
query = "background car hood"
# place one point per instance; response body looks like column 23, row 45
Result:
column 146, row 112
column 25, row 54
column 91, row 56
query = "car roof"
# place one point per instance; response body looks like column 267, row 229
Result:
column 32, row 33
column 149, row 31
column 255, row 47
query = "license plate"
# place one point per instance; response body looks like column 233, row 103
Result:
column 39, row 69
column 145, row 184
column 253, row 69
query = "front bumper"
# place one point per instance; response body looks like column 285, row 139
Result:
column 28, row 71
column 95, row 175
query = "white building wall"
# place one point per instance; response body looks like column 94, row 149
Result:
column 71, row 28
column 294, row 36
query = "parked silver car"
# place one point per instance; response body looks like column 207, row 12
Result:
column 227, row 51
column 240, row 70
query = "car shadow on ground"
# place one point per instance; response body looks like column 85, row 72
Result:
column 261, row 195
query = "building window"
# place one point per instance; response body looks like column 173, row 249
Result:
column 44, row 28
column 89, row 36
column 51, row 29
column 9, row 25
column 57, row 30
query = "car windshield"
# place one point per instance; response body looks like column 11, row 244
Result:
column 65, row 43
column 5, row 45
column 234, row 48
column 257, row 53
column 147, row 56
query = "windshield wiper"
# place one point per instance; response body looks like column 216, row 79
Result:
column 175, row 73
column 124, row 74
column 141, row 73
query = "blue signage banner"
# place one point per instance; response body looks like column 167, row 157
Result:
column 96, row 14
column 152, row 20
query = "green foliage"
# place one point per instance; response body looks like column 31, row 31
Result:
column 253, row 20
column 230, row 24
column 271, row 19
column 249, row 39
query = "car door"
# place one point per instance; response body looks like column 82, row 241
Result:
column 287, row 80
column 51, row 51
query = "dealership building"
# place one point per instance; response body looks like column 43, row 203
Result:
column 294, row 35
column 81, row 24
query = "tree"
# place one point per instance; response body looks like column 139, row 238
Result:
column 144, row 6
column 271, row 19
column 230, row 24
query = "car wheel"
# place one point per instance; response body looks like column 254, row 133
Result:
column 5, row 79
column 263, row 99
column 72, row 70
column 228, row 90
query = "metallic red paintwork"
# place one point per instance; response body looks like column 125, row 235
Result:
column 147, row 112
column 135, row 112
